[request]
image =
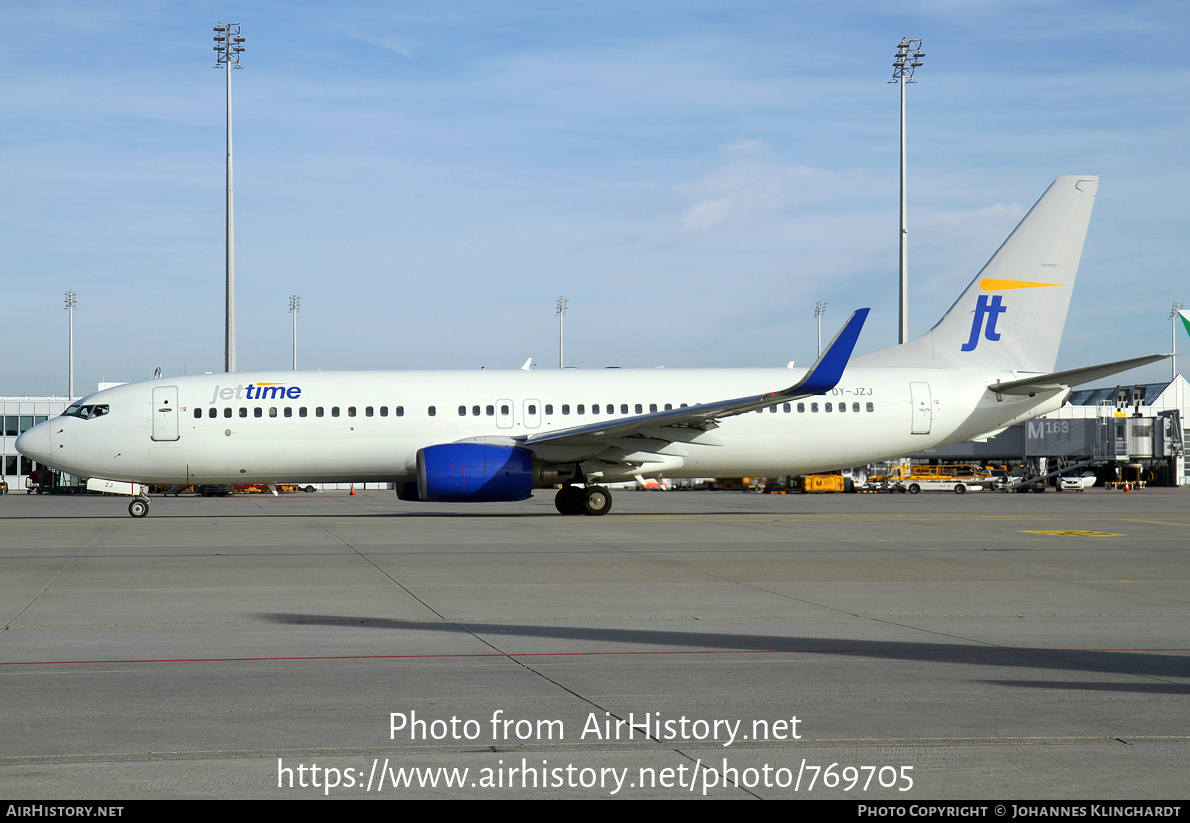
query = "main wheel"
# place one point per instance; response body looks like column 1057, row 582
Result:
column 569, row 500
column 138, row 508
column 596, row 500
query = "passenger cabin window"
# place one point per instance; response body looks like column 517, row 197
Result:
column 400, row 411
column 258, row 412
column 431, row 411
column 302, row 411
column 243, row 411
column 227, row 412
column 369, row 412
column 334, row 411
column 318, row 412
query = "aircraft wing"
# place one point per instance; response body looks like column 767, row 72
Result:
column 823, row 376
column 1072, row 377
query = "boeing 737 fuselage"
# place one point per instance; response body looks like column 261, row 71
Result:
column 497, row 435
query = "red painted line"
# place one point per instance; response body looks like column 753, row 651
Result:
column 873, row 652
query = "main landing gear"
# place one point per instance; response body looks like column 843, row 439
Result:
column 589, row 500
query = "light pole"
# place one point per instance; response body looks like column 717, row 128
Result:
column 228, row 47
column 1175, row 314
column 71, row 302
column 819, row 310
column 908, row 59
column 560, row 310
column 295, row 303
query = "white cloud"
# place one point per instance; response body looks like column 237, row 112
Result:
column 995, row 214
column 389, row 44
column 750, row 187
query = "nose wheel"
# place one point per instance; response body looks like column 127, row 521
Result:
column 139, row 507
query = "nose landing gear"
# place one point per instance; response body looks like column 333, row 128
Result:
column 139, row 507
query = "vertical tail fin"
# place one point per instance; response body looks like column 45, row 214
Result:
column 1012, row 314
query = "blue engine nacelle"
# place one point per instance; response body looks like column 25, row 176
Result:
column 474, row 472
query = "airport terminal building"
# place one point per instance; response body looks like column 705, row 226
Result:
column 17, row 415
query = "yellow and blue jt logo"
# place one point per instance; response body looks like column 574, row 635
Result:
column 989, row 310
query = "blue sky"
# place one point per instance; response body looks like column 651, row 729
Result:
column 431, row 176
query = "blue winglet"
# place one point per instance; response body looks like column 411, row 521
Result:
column 827, row 370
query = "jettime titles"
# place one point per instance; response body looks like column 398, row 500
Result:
column 256, row 391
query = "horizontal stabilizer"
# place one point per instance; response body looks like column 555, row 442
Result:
column 1072, row 377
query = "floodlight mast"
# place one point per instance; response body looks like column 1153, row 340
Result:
column 907, row 61
column 819, row 310
column 1174, row 314
column 71, row 300
column 295, row 303
column 228, row 45
column 560, row 310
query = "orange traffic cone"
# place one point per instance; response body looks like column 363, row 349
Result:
column 353, row 488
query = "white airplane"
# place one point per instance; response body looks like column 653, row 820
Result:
column 497, row 435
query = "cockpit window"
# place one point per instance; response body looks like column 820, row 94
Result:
column 86, row 412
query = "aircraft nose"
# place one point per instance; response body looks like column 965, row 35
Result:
column 35, row 443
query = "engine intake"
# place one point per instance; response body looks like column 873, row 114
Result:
column 474, row 472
